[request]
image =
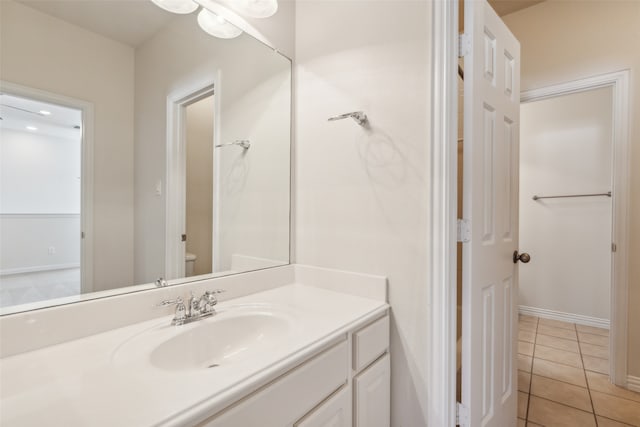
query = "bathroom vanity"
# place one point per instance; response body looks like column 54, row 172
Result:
column 282, row 354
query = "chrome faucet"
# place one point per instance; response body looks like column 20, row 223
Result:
column 195, row 309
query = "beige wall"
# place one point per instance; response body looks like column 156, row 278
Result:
column 567, row 40
column 361, row 195
column 199, row 209
column 45, row 53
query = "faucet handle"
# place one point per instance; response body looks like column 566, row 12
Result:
column 210, row 298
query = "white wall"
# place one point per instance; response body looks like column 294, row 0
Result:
column 242, row 67
column 38, row 173
column 43, row 52
column 254, row 184
column 361, row 195
column 566, row 148
column 567, row 40
column 40, row 203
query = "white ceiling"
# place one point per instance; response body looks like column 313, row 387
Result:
column 17, row 113
column 127, row 21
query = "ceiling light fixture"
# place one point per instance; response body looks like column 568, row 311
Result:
column 177, row 6
column 257, row 8
column 217, row 26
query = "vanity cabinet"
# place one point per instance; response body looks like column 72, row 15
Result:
column 345, row 385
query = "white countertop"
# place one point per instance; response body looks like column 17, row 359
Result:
column 87, row 382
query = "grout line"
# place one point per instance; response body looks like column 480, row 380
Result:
column 535, row 336
column 586, row 380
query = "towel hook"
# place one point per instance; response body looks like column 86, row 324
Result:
column 358, row 116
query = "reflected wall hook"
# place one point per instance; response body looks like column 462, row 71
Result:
column 358, row 116
column 244, row 143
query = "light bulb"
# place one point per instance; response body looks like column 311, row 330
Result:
column 217, row 26
column 177, row 6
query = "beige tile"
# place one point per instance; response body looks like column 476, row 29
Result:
column 560, row 343
column 527, row 318
column 593, row 339
column 523, row 401
column 594, row 350
column 606, row 422
column 548, row 413
column 559, row 372
column 524, row 362
column 559, row 356
column 592, row 330
column 567, row 394
column 521, row 422
column 567, row 334
column 600, row 382
column 557, row 324
column 596, row 364
column 524, row 335
column 524, row 379
column 615, row 408
column 525, row 348
column 531, row 424
column 527, row 326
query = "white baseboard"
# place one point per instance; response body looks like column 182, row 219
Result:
column 37, row 269
column 633, row 383
column 566, row 317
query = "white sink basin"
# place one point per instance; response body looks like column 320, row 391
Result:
column 233, row 336
column 213, row 343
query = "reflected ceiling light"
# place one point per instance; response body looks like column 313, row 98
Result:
column 217, row 26
column 257, row 8
column 177, row 6
column 32, row 128
column 45, row 112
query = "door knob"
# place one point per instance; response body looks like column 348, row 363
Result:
column 523, row 257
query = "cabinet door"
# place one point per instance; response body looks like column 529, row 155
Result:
column 335, row 412
column 372, row 395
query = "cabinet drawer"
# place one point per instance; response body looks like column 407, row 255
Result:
column 288, row 398
column 372, row 389
column 335, row 412
column 370, row 342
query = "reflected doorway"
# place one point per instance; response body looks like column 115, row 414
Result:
column 199, row 137
column 41, row 199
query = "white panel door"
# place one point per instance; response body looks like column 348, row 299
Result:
column 490, row 198
column 335, row 412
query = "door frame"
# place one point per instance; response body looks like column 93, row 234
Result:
column 175, row 176
column 86, row 169
column 442, row 302
column 619, row 82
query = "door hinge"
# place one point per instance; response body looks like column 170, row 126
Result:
column 82, row 234
column 614, row 248
column 462, row 414
column 183, row 237
column 464, row 231
column 464, row 45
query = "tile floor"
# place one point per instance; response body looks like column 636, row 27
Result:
column 563, row 377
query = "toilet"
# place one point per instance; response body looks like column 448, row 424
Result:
column 189, row 264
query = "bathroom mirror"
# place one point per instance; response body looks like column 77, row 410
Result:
column 137, row 150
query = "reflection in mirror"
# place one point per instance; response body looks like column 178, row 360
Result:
column 135, row 146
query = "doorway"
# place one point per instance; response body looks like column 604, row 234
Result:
column 45, row 209
column 190, row 246
column 588, row 116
